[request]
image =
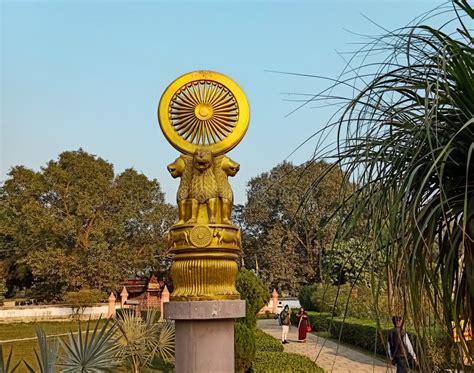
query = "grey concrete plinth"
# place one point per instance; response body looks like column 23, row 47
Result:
column 204, row 334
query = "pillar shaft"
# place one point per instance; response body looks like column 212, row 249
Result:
column 204, row 340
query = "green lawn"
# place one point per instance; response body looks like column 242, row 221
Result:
column 25, row 349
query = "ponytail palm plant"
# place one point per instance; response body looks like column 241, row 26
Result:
column 406, row 137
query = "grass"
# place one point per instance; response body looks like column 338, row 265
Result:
column 25, row 349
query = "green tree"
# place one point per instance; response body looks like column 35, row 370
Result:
column 353, row 262
column 287, row 225
column 74, row 224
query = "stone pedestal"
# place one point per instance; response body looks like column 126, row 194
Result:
column 204, row 334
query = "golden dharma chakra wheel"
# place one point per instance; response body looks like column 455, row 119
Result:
column 203, row 109
column 200, row 236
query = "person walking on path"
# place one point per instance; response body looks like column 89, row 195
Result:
column 400, row 350
column 303, row 325
column 285, row 323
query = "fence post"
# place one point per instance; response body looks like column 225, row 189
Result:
column 165, row 297
column 123, row 296
column 274, row 301
column 112, row 300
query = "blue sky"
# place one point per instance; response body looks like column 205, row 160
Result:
column 90, row 74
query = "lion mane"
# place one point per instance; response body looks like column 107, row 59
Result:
column 203, row 184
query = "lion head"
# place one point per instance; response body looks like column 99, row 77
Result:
column 202, row 160
column 176, row 169
column 229, row 166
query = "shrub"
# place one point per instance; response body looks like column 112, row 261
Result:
column 365, row 334
column 304, row 296
column 143, row 313
column 83, row 298
column 333, row 299
column 119, row 312
column 283, row 362
column 254, row 292
column 361, row 333
column 265, row 342
column 244, row 337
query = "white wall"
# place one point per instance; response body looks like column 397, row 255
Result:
column 36, row 313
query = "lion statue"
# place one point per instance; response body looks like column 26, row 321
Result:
column 203, row 185
column 204, row 181
column 223, row 168
column 182, row 167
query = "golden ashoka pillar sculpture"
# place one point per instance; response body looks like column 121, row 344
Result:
column 204, row 114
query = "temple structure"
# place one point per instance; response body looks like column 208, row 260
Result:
column 144, row 293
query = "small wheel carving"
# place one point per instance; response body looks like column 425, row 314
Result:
column 200, row 236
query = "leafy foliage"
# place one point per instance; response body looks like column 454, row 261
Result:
column 371, row 336
column 265, row 342
column 140, row 340
column 354, row 301
column 304, row 297
column 83, row 298
column 353, row 262
column 287, row 223
column 75, row 224
column 244, row 346
column 269, row 357
column 254, row 292
column 284, row 362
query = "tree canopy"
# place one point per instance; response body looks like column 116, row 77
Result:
column 75, row 224
column 288, row 225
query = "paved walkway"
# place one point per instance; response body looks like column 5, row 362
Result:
column 329, row 355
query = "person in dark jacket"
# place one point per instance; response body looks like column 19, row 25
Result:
column 400, row 350
column 285, row 323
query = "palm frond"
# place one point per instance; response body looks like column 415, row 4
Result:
column 48, row 353
column 140, row 340
column 6, row 366
column 407, row 137
column 95, row 352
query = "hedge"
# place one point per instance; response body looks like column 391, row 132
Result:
column 366, row 335
column 266, row 343
column 361, row 333
column 244, row 344
column 283, row 362
column 319, row 320
column 255, row 293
